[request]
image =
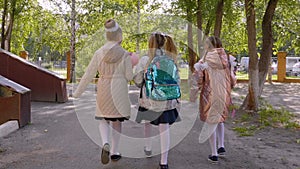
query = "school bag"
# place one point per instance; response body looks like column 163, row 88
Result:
column 162, row 79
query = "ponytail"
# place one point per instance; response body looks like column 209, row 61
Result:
column 170, row 48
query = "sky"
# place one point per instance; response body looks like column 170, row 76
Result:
column 48, row 5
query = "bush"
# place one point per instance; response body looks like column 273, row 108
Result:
column 46, row 65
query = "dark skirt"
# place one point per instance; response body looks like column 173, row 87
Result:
column 156, row 118
column 121, row 119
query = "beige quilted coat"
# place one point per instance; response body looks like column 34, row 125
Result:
column 212, row 79
column 115, row 70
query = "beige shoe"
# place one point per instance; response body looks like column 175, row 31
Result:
column 105, row 154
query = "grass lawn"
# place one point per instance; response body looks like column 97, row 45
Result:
column 245, row 76
column 184, row 73
column 185, row 89
column 293, row 77
column 62, row 72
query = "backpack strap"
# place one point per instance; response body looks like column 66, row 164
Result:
column 229, row 64
column 141, row 90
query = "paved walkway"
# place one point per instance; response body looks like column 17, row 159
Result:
column 56, row 140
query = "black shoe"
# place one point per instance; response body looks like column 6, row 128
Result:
column 213, row 159
column 221, row 151
column 105, row 154
column 147, row 153
column 163, row 166
column 115, row 157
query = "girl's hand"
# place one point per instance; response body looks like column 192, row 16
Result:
column 134, row 59
column 197, row 66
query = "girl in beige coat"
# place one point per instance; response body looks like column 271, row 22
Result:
column 113, row 105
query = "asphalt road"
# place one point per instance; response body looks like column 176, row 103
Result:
column 62, row 137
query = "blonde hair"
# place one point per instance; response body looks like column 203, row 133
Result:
column 113, row 31
column 213, row 42
column 159, row 40
column 170, row 48
column 156, row 41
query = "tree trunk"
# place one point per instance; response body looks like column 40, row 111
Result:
column 219, row 15
column 3, row 24
column 269, row 75
column 267, row 44
column 251, row 101
column 6, row 35
column 73, row 41
column 138, row 27
column 199, row 30
column 192, row 58
column 10, row 27
column 208, row 26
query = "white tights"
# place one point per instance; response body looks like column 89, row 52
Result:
column 220, row 135
column 164, row 140
column 147, row 136
column 116, row 134
column 219, row 132
column 164, row 130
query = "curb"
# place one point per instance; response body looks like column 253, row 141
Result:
column 8, row 127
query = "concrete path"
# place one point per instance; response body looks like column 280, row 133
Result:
column 56, row 139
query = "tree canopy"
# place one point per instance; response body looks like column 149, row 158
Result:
column 45, row 33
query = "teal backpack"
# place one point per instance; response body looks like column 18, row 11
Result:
column 162, row 79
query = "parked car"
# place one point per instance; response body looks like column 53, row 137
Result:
column 183, row 64
column 290, row 62
column 60, row 64
column 244, row 63
column 296, row 69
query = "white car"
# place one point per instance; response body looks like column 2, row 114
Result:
column 296, row 69
column 244, row 63
column 290, row 62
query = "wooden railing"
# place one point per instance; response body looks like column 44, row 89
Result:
column 44, row 84
column 14, row 102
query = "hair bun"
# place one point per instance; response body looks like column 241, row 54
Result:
column 110, row 24
column 112, row 30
